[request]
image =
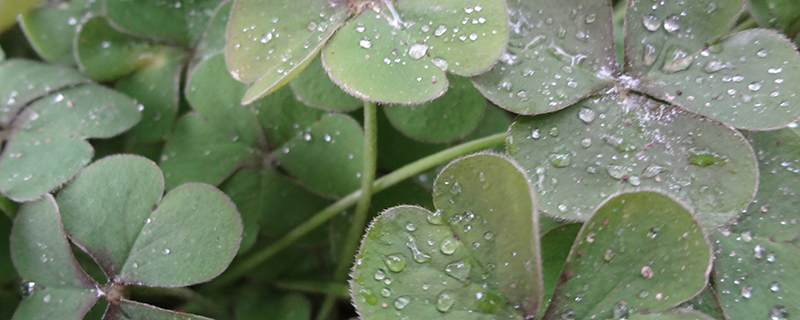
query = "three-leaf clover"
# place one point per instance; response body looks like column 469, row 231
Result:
column 381, row 51
column 707, row 80
column 115, row 210
column 478, row 255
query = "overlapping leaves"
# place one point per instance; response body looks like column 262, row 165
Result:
column 477, row 255
column 114, row 210
column 402, row 49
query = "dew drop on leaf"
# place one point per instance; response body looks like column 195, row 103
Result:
column 651, row 22
column 445, row 301
column 395, row 262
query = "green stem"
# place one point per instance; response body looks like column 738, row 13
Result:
column 184, row 294
column 619, row 12
column 251, row 262
column 8, row 207
column 337, row 289
column 362, row 208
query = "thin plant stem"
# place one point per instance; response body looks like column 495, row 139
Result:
column 185, row 294
column 8, row 207
column 746, row 24
column 619, row 12
column 362, row 207
column 246, row 264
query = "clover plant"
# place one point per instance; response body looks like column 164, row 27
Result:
column 518, row 159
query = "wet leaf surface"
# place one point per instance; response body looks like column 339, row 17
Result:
column 474, row 258
column 558, row 53
column 314, row 88
column 181, row 22
column 624, row 259
column 103, row 53
column 578, row 156
column 51, row 29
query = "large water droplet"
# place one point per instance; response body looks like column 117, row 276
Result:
column 379, row 274
column 774, row 286
column 445, row 301
column 458, row 270
column 440, row 30
column 435, row 218
column 651, row 22
column 417, row 51
column 416, row 254
column 679, row 60
column 650, row 55
column 401, row 302
column 365, row 43
column 448, row 246
column 386, row 292
column 395, row 262
column 672, row 23
column 617, row 172
column 560, row 160
column 568, row 315
column 586, row 115
column 266, row 37
column 621, row 310
column 27, row 289
column 762, row 53
column 755, row 86
column 368, row 296
column 778, row 312
column 714, row 66
column 747, row 291
column 440, row 63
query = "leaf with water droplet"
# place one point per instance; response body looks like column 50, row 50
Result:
column 774, row 214
column 401, row 53
column 449, row 117
column 336, row 142
column 766, row 268
column 747, row 85
column 51, row 30
column 188, row 236
column 690, row 26
column 50, row 133
column 132, row 310
column 558, row 53
column 103, row 53
column 674, row 314
column 636, row 143
column 775, row 14
column 314, row 88
column 23, row 81
column 269, row 42
column 181, row 22
column 460, row 280
column 706, row 302
column 42, row 256
column 621, row 225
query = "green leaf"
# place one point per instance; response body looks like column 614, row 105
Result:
column 641, row 250
column 477, row 255
column 2, row 55
column 187, row 237
column 653, row 32
column 103, row 53
column 556, row 244
column 314, row 88
column 132, row 310
column 776, row 14
column 270, row 42
column 51, row 29
column 452, row 116
column 580, row 155
column 7, row 272
column 402, row 54
column 9, row 10
column 213, row 40
column 156, row 86
column 558, row 53
column 56, row 287
column 212, row 92
column 105, row 207
column 674, row 314
column 283, row 117
column 198, row 152
column 182, row 22
column 336, row 145
column 254, row 303
column 51, row 134
column 746, row 80
column 776, row 202
column 22, row 81
column 757, row 277
column 706, row 302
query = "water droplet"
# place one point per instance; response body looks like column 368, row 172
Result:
column 365, row 43
column 747, row 292
column 165, row 251
column 568, row 315
column 775, row 70
column 425, row 28
column 672, row 23
column 774, row 287
column 643, row 294
column 440, row 30
column 27, row 289
column 488, row 236
column 679, row 61
column 778, row 312
column 395, row 262
column 586, row 142
column 473, row 36
column 714, row 66
column 747, row 236
column 448, row 246
column 652, row 171
column 758, row 251
column 617, row 172
column 653, row 233
column 458, row 270
column 771, row 257
column 650, row 54
column 591, row 18
column 608, row 255
column 379, row 274
column 621, row 310
column 46, row 298
column 586, row 115
column 646, row 272
column 634, row 180
column 440, row 63
column 435, row 218
column 386, row 292
column 266, row 37
column 360, row 28
column 762, row 53
column 560, row 160
column 417, row 51
column 401, row 302
column 445, row 301
column 416, row 254
column 651, row 22
column 368, row 296
column 755, row 86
